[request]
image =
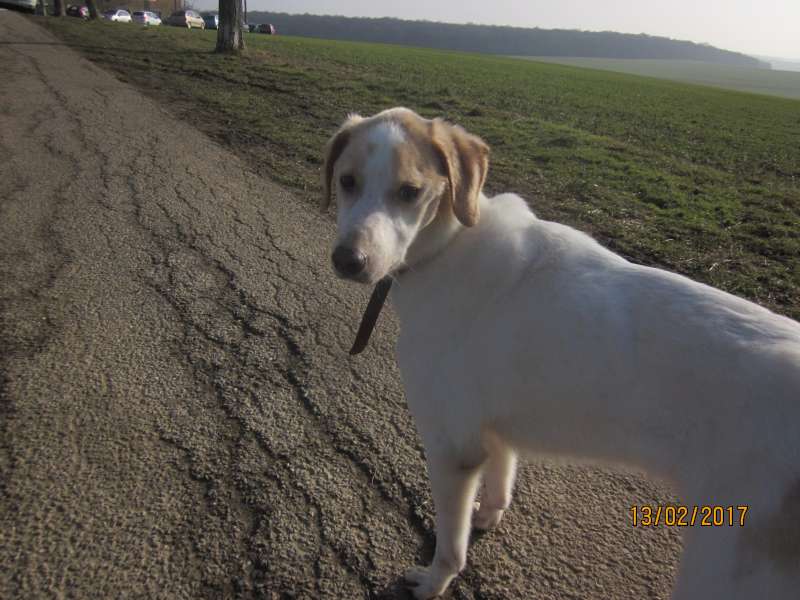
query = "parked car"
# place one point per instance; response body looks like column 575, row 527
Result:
column 211, row 21
column 145, row 17
column 252, row 27
column 117, row 15
column 186, row 18
column 26, row 5
column 82, row 12
column 267, row 28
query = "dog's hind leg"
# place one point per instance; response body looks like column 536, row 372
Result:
column 499, row 472
column 454, row 487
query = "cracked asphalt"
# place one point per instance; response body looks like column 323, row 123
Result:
column 180, row 417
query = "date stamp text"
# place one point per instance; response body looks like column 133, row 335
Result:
column 688, row 516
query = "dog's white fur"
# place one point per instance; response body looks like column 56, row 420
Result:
column 520, row 335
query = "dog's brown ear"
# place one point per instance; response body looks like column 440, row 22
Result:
column 465, row 157
column 333, row 150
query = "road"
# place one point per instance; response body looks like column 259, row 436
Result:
column 180, row 417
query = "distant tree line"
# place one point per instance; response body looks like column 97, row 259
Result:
column 492, row 39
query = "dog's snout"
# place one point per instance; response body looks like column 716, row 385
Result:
column 349, row 262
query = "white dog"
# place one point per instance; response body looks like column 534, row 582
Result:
column 520, row 335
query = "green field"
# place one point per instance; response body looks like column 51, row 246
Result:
column 785, row 84
column 699, row 180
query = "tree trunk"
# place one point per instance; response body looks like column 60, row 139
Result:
column 229, row 34
column 43, row 6
column 92, row 9
column 58, row 6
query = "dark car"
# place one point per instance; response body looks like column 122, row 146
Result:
column 186, row 18
column 267, row 28
column 211, row 21
column 81, row 12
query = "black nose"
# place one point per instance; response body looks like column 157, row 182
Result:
column 348, row 261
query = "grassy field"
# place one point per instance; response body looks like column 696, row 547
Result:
column 699, row 180
column 758, row 81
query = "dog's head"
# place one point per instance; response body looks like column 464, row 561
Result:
column 394, row 174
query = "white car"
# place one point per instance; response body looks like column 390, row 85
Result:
column 117, row 15
column 145, row 17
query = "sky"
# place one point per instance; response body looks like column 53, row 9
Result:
column 763, row 27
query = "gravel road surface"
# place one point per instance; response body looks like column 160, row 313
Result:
column 180, row 417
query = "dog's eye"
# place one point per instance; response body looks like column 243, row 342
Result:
column 408, row 193
column 348, row 182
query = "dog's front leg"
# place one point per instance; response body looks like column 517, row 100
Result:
column 454, row 486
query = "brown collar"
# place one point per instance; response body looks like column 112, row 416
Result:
column 371, row 314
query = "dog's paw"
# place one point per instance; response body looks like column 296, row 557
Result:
column 485, row 518
column 422, row 583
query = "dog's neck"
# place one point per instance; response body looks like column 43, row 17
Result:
column 431, row 241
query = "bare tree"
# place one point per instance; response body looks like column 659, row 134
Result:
column 92, row 9
column 58, row 5
column 229, row 34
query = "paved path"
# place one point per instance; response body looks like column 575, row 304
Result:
column 180, row 418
